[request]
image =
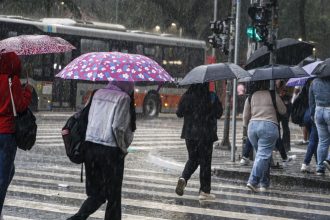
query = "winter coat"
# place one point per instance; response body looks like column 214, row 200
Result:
column 109, row 119
column 200, row 115
column 10, row 66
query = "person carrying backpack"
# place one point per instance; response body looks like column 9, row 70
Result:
column 111, row 123
column 10, row 67
column 261, row 119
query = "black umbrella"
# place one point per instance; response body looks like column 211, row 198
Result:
column 272, row 72
column 289, row 52
column 323, row 69
column 213, row 72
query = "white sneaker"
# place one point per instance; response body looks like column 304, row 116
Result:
column 244, row 161
column 288, row 160
column 206, row 196
column 263, row 189
column 251, row 187
column 305, row 168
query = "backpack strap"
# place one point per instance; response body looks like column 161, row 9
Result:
column 273, row 95
column 10, row 83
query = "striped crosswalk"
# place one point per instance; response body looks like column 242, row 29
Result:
column 47, row 186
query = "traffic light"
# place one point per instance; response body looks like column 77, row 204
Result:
column 260, row 17
column 219, row 39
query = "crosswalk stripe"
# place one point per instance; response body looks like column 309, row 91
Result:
column 40, row 206
column 172, row 183
column 7, row 217
column 171, row 180
column 133, row 202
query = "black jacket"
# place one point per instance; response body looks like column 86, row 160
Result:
column 200, row 116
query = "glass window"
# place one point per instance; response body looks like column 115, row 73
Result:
column 91, row 45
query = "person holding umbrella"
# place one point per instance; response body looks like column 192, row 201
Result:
column 260, row 117
column 200, row 110
column 10, row 68
column 111, row 123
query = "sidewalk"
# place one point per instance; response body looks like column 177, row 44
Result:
column 222, row 167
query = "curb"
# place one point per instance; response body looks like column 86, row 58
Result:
column 286, row 180
column 281, row 180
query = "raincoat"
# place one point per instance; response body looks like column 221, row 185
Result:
column 10, row 66
column 200, row 114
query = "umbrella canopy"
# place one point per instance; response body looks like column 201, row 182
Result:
column 301, row 81
column 322, row 69
column 114, row 66
column 272, row 72
column 213, row 72
column 35, row 44
column 289, row 52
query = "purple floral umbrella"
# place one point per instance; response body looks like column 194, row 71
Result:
column 114, row 66
column 34, row 44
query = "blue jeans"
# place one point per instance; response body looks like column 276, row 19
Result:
column 263, row 136
column 8, row 149
column 313, row 138
column 322, row 121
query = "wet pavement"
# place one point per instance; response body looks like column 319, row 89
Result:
column 47, row 186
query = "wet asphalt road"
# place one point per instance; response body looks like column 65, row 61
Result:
column 47, row 186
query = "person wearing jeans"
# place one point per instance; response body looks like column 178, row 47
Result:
column 260, row 117
column 319, row 103
column 10, row 66
column 263, row 136
column 312, row 144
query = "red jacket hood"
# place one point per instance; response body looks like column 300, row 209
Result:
column 10, row 64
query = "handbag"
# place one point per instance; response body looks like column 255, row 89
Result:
column 25, row 125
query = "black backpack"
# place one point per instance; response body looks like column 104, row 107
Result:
column 74, row 132
column 298, row 111
column 299, row 106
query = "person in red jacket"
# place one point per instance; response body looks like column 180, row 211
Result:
column 10, row 66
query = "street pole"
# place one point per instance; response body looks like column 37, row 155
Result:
column 273, row 36
column 226, row 127
column 215, row 12
column 117, row 11
column 236, row 61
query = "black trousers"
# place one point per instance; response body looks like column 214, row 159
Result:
column 104, row 176
column 200, row 153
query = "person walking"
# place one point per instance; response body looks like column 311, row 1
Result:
column 200, row 110
column 10, row 67
column 319, row 102
column 111, row 123
column 260, row 117
column 312, row 130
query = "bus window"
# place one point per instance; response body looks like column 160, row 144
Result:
column 139, row 49
column 90, row 45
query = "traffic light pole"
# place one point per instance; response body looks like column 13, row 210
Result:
column 225, row 139
column 273, row 36
column 215, row 12
column 236, row 61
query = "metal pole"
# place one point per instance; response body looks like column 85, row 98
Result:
column 236, row 61
column 272, row 40
column 215, row 12
column 117, row 11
